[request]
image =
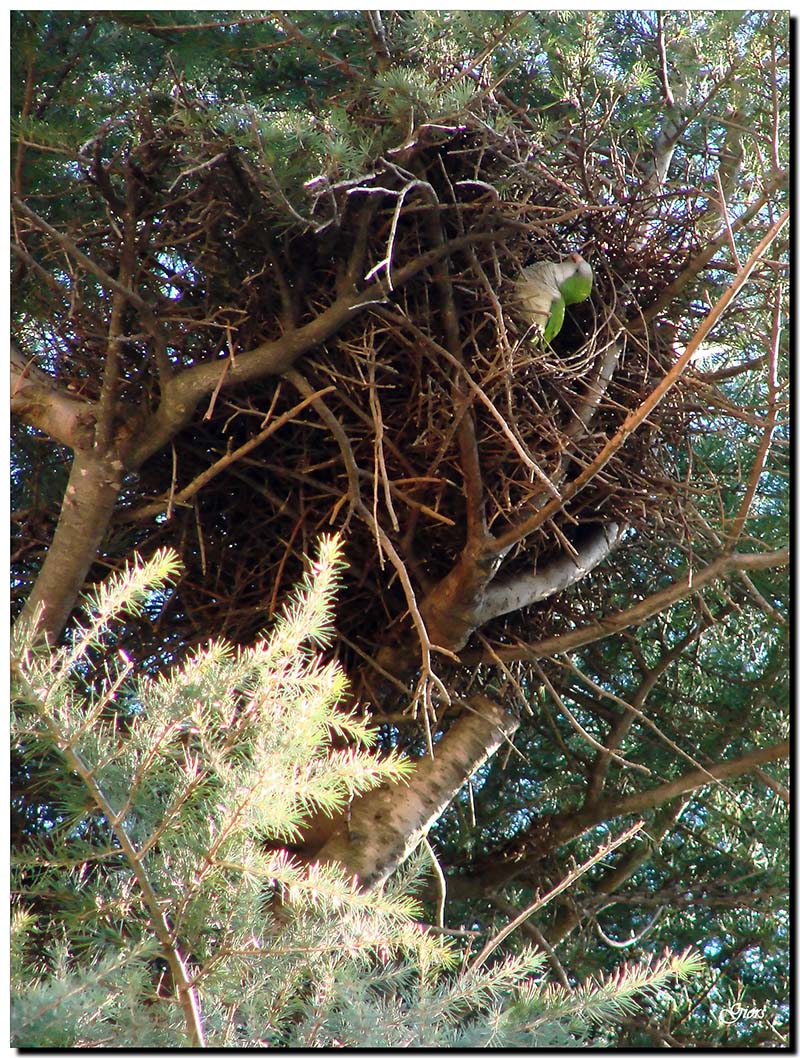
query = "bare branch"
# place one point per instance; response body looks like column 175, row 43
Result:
column 107, row 403
column 729, row 769
column 378, row 38
column 770, row 425
column 40, row 402
column 701, row 259
column 635, row 615
column 78, row 255
column 773, row 785
column 143, row 513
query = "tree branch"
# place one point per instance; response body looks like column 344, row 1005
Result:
column 85, row 513
column 770, row 425
column 568, row 916
column 183, row 392
column 41, row 403
column 636, row 615
column 528, row 588
column 691, row 780
column 86, row 262
column 387, row 824
column 474, row 492
column 109, row 388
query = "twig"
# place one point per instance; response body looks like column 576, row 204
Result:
column 539, row 938
column 461, row 368
column 567, row 713
column 540, row 902
column 441, row 882
column 196, row 169
column 426, row 647
column 770, row 425
column 185, row 494
column 86, row 262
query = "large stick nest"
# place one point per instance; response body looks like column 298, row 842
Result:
column 231, row 266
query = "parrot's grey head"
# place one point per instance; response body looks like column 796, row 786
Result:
column 581, row 267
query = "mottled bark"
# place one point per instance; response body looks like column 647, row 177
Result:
column 529, row 588
column 387, row 824
column 41, row 403
column 89, row 501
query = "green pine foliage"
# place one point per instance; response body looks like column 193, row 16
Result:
column 162, row 907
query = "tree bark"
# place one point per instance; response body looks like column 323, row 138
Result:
column 89, row 501
column 525, row 589
column 386, row 825
column 38, row 401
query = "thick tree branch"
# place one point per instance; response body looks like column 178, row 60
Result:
column 39, row 402
column 387, row 824
column 549, row 833
column 528, row 588
column 85, row 513
column 567, row 827
column 95, row 480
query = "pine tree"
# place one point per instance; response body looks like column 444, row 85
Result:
column 165, row 910
column 264, row 275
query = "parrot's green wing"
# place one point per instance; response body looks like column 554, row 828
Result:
column 577, row 288
column 556, row 320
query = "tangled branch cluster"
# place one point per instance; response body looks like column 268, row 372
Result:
column 432, row 402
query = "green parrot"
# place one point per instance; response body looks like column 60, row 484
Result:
column 545, row 289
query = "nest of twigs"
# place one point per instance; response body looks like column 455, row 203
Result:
column 231, row 269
